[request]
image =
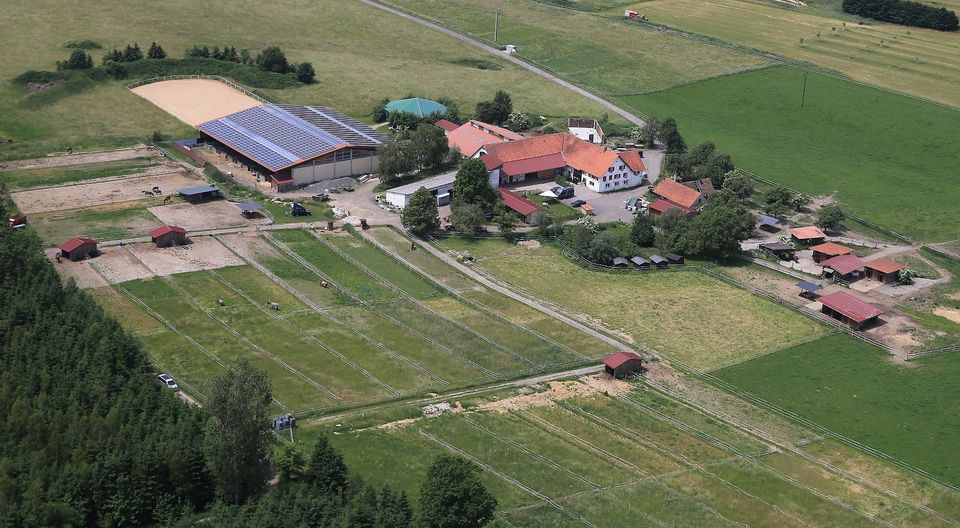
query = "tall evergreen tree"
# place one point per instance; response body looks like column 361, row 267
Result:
column 156, row 52
column 326, row 470
column 237, row 436
column 453, row 496
column 393, row 510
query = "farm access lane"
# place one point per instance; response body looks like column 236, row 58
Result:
column 631, row 118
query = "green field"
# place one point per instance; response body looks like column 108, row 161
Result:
column 607, row 58
column 918, row 61
column 907, row 411
column 683, row 314
column 888, row 158
column 598, row 460
column 360, row 54
column 113, row 222
column 26, row 179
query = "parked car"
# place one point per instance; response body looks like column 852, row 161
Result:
column 168, row 380
column 562, row 193
column 577, row 203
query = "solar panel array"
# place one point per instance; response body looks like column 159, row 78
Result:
column 278, row 136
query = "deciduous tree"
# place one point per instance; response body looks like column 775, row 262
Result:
column 428, row 146
column 641, row 230
column 272, row 59
column 393, row 159
column 452, row 496
column 420, row 215
column 472, row 185
column 830, row 216
column 467, row 219
column 305, row 73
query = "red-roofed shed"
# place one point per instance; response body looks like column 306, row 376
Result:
column 169, row 235
column 78, row 248
column 883, row 269
column 843, row 267
column 520, row 205
column 658, row 207
column 623, row 364
column 808, row 235
column 446, row 125
column 822, row 252
column 847, row 308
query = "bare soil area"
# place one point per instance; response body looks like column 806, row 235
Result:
column 196, row 101
column 110, row 190
column 250, row 245
column 203, row 253
column 118, row 264
column 79, row 159
column 81, row 273
column 218, row 214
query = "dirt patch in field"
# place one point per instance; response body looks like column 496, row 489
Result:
column 948, row 313
column 196, row 101
column 250, row 245
column 529, row 244
column 118, row 264
column 79, row 159
column 203, row 253
column 82, row 274
column 218, row 214
column 111, row 190
column 560, row 390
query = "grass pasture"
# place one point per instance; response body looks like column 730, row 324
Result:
column 675, row 312
column 108, row 222
column 614, row 59
column 642, row 456
column 26, row 179
column 907, row 411
column 388, row 57
column 885, row 157
column 918, row 61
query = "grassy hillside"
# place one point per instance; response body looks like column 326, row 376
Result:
column 919, row 61
column 889, row 158
column 360, row 54
column 853, row 388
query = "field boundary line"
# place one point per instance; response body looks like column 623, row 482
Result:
column 463, row 298
column 317, row 340
column 313, row 269
column 537, row 456
column 226, row 326
column 787, row 446
column 506, row 478
column 405, row 295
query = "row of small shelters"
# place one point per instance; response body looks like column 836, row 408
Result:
column 80, row 248
column 653, row 262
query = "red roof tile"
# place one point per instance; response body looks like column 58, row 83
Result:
column 850, row 306
column 662, row 206
column 829, row 248
column 447, row 125
column 806, row 233
column 677, row 193
column 577, row 153
column 843, row 264
column 883, row 265
column 163, row 230
column 617, row 360
column 633, row 160
column 541, row 163
column 74, row 243
column 469, row 137
column 518, row 203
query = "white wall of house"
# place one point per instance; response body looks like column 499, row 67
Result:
column 314, row 172
column 617, row 177
column 587, row 134
column 400, row 199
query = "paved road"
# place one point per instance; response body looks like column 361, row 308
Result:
column 519, row 62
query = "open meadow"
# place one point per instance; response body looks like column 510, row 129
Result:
column 360, row 54
column 908, row 411
column 379, row 329
column 885, row 157
column 683, row 314
column 594, row 453
column 922, row 62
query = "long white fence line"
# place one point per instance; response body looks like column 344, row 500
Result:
column 224, row 80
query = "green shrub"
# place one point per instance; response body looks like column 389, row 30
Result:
column 74, row 85
column 37, row 76
column 82, row 44
column 147, row 68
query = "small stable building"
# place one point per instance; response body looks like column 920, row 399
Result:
column 883, row 270
column 658, row 207
column 659, row 261
column 810, row 235
column 623, row 364
column 79, row 248
column 250, row 209
column 850, row 310
column 769, row 223
column 844, row 268
column 674, row 259
column 168, row 235
column 621, row 262
column 641, row 263
column 778, row 250
column 524, row 208
column 808, row 290
column 828, row 250
column 201, row 193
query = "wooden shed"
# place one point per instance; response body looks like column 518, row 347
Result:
column 78, row 248
column 623, row 364
column 850, row 310
column 659, row 261
column 778, row 250
column 883, row 269
column 641, row 263
column 674, row 259
column 621, row 262
column 810, row 235
column 828, row 250
column 168, row 235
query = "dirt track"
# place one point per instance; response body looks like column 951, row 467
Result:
column 168, row 178
column 79, row 159
column 219, row 214
column 195, row 101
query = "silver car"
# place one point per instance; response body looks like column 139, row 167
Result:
column 168, row 380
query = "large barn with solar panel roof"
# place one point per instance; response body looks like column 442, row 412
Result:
column 292, row 146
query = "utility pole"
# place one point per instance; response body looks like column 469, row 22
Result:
column 803, row 96
column 496, row 24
